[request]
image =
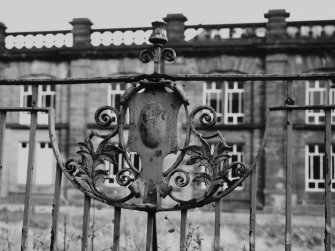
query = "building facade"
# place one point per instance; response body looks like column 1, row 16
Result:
column 275, row 46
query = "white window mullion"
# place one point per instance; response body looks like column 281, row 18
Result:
column 212, row 93
column 115, row 93
column 314, row 183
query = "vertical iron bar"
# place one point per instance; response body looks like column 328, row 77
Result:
column 327, row 172
column 217, row 225
column 2, row 142
column 183, row 230
column 55, row 209
column 327, row 177
column 154, row 239
column 252, row 215
column 288, row 204
column 150, row 227
column 93, row 225
column 157, row 59
column 86, row 222
column 117, row 221
column 253, row 186
column 30, row 170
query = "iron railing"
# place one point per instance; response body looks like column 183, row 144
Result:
column 158, row 82
column 286, row 79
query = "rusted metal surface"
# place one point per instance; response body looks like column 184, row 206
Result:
column 117, row 225
column 248, row 78
column 288, row 176
column 183, row 229
column 328, row 183
column 2, row 143
column 86, row 223
column 252, row 215
column 30, row 171
column 55, row 209
column 154, row 235
column 327, row 172
column 150, row 228
column 153, row 135
column 217, row 225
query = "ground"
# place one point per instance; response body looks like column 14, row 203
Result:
column 307, row 230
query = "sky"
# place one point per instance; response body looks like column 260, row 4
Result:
column 38, row 15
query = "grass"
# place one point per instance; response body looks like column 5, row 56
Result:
column 234, row 231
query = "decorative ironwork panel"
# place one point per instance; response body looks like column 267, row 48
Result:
column 154, row 103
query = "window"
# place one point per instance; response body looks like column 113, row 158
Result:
column 314, row 167
column 113, row 169
column 115, row 92
column 236, row 155
column 315, row 95
column 232, row 94
column 46, row 98
column 213, row 97
column 44, row 163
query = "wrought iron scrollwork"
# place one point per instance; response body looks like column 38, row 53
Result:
column 146, row 56
column 155, row 117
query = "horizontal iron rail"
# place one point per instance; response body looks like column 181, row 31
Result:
column 180, row 77
column 301, row 107
column 24, row 109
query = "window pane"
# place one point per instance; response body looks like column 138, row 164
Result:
column 48, row 101
column 117, row 101
column 311, row 148
column 317, row 98
column 230, row 85
column 321, row 148
column 316, row 167
column 213, row 103
column 29, row 101
column 235, row 103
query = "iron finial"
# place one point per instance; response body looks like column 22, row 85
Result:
column 159, row 34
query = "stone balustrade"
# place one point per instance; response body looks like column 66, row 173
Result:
column 277, row 30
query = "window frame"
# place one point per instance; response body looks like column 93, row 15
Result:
column 309, row 171
column 316, row 115
column 42, row 117
column 116, row 91
column 224, row 108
